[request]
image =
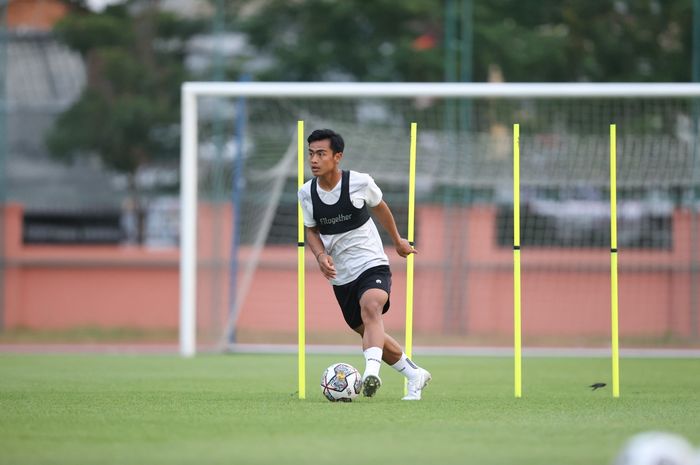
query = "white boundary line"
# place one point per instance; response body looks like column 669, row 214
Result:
column 172, row 349
column 91, row 348
column 475, row 351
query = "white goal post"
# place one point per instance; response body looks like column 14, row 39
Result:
column 192, row 91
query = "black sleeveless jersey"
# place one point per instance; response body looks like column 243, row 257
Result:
column 340, row 217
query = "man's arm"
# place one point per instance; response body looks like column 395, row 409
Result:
column 386, row 219
column 325, row 261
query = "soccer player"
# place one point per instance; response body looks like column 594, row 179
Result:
column 349, row 252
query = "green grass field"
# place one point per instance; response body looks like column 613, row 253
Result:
column 243, row 409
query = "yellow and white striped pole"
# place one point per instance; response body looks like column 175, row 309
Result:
column 517, row 342
column 301, row 307
column 409, row 259
column 613, row 263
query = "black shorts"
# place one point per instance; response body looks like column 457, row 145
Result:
column 348, row 295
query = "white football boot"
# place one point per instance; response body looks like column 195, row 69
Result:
column 415, row 387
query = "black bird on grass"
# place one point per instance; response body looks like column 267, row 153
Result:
column 595, row 386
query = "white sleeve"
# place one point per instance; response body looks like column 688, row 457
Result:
column 363, row 190
column 373, row 194
column 307, row 207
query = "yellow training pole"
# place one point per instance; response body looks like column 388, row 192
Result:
column 613, row 263
column 301, row 307
column 516, row 262
column 409, row 259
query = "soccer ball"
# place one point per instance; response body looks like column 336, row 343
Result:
column 341, row 382
column 656, row 447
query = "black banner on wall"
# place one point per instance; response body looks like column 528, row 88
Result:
column 76, row 228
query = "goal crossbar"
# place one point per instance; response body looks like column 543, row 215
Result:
column 450, row 89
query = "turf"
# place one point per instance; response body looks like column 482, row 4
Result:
column 243, row 409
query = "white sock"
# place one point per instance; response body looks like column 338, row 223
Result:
column 373, row 357
column 406, row 367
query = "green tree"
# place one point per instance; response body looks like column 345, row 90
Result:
column 129, row 110
column 530, row 41
column 378, row 40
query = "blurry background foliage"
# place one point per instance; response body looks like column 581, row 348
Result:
column 128, row 112
column 138, row 53
column 530, row 41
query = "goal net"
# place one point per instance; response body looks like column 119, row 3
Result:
column 239, row 210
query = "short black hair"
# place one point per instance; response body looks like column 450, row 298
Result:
column 337, row 142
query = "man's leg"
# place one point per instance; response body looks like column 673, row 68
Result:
column 391, row 352
column 373, row 338
column 371, row 306
column 393, row 355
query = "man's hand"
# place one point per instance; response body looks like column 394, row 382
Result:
column 404, row 248
column 325, row 263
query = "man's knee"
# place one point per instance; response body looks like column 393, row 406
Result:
column 371, row 311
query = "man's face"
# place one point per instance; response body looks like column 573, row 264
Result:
column 322, row 160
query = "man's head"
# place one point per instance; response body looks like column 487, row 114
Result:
column 337, row 144
column 325, row 151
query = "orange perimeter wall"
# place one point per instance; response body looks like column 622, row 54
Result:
column 57, row 287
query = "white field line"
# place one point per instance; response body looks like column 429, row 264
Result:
column 172, row 349
column 475, row 351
